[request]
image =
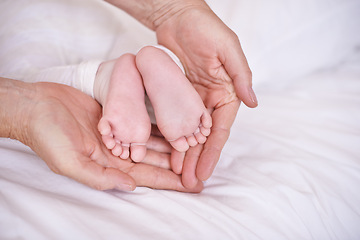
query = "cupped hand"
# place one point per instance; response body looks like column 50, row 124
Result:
column 216, row 66
column 62, row 130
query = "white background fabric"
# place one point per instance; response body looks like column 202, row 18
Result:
column 290, row 170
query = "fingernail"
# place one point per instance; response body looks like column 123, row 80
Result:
column 125, row 187
column 252, row 95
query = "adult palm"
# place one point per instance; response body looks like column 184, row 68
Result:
column 63, row 132
column 216, row 66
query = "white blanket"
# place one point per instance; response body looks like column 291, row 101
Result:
column 290, row 170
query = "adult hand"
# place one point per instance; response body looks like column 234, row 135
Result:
column 214, row 62
column 60, row 124
column 216, row 65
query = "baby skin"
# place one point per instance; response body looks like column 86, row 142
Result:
column 125, row 126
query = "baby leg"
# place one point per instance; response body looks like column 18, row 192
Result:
column 125, row 125
column 179, row 110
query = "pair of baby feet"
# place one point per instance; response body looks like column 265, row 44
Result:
column 125, row 125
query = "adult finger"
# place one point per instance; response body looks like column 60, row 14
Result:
column 153, row 172
column 158, row 144
column 237, row 67
column 223, row 119
column 159, row 178
column 157, row 159
column 189, row 178
column 177, row 161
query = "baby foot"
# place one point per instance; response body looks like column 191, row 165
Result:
column 125, row 125
column 179, row 110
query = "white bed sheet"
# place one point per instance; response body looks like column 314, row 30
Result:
column 290, row 170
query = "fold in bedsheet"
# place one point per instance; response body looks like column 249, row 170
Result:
column 290, row 170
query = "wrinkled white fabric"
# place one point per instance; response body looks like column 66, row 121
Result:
column 80, row 76
column 290, row 169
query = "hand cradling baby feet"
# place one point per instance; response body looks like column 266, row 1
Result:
column 125, row 126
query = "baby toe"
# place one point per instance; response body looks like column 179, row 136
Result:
column 200, row 138
column 104, row 127
column 109, row 141
column 125, row 151
column 191, row 140
column 205, row 131
column 137, row 152
column 117, row 150
column 180, row 144
column 206, row 120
